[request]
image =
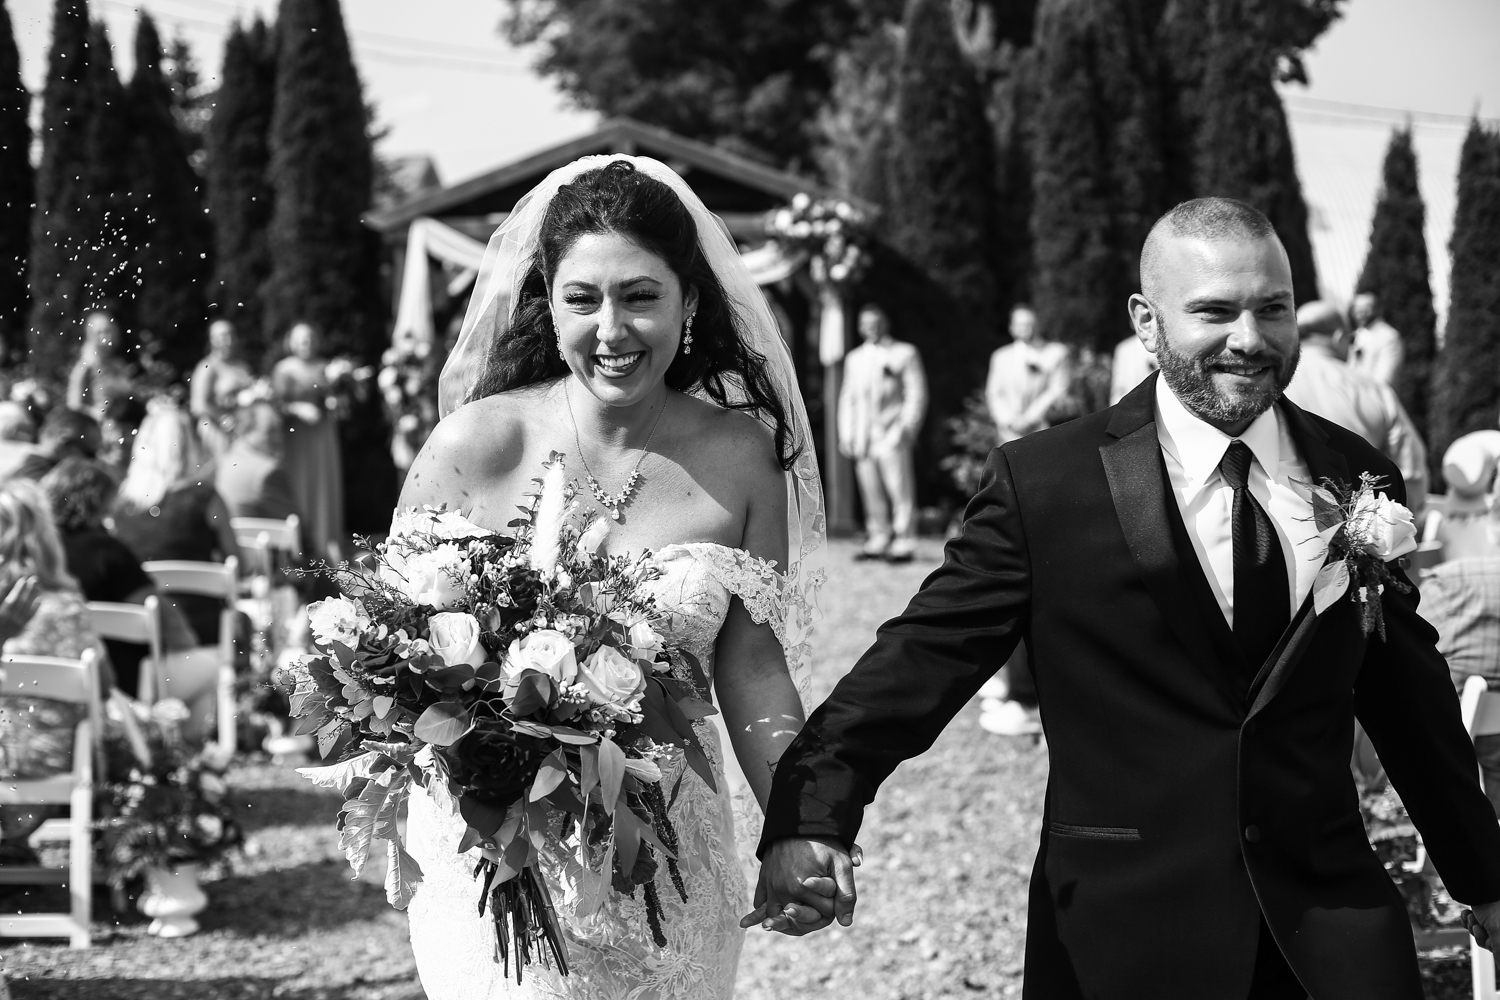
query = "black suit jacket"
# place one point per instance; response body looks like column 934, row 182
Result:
column 1189, row 791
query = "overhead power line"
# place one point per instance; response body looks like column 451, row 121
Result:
column 1376, row 114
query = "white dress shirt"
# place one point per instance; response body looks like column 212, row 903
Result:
column 1193, row 450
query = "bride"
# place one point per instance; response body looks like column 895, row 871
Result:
column 615, row 324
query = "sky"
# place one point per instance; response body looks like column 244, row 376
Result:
column 446, row 84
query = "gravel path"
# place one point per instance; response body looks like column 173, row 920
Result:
column 949, row 847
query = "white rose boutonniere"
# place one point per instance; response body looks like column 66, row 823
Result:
column 1366, row 532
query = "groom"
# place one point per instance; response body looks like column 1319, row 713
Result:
column 1201, row 837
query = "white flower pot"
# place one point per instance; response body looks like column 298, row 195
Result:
column 172, row 898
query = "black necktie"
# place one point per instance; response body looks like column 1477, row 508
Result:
column 1262, row 601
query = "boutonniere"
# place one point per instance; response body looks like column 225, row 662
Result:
column 1366, row 532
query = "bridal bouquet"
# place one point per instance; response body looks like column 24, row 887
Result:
column 519, row 680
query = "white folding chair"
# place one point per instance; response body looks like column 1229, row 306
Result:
column 75, row 681
column 137, row 623
column 265, row 536
column 1481, row 713
column 209, row 579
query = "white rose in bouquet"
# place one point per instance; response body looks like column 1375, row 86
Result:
column 434, row 578
column 1389, row 532
column 337, row 619
column 545, row 651
column 454, row 636
column 645, row 642
column 613, row 680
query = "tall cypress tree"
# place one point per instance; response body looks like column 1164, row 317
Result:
column 939, row 212
column 1396, row 271
column 1244, row 146
column 1097, row 183
column 1465, row 389
column 240, row 198
column 172, row 237
column 321, row 170
column 58, row 266
column 17, row 190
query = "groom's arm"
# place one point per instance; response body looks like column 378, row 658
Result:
column 1404, row 698
column 923, row 668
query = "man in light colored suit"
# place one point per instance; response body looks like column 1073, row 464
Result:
column 1378, row 351
column 1028, row 379
column 881, row 406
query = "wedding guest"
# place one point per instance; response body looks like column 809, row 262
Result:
column 81, row 492
column 1461, row 599
column 168, row 507
column 17, row 437
column 42, row 614
column 1377, row 351
column 100, row 374
column 1326, row 385
column 1467, row 523
column 65, row 433
column 251, row 476
column 122, row 420
column 215, row 386
column 1028, row 379
column 304, row 390
column 1132, row 363
column 881, row 406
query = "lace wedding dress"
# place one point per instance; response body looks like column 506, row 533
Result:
column 611, row 955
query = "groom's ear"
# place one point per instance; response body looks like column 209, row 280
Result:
column 1146, row 320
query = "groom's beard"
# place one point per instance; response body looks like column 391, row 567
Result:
column 1192, row 380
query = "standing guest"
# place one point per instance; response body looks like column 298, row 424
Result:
column 215, row 387
column 168, row 508
column 304, row 390
column 1378, row 351
column 65, row 433
column 42, row 614
column 1326, row 385
column 881, row 406
column 1131, row 365
column 17, row 437
column 81, row 492
column 1028, row 379
column 100, row 374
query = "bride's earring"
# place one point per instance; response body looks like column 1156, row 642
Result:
column 687, row 336
column 556, row 339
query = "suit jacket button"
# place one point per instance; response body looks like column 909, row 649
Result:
column 1252, row 833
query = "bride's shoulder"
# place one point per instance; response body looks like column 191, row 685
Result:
column 737, row 437
column 478, row 441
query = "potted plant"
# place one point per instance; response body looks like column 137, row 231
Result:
column 162, row 812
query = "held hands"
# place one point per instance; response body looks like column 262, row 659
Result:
column 805, row 884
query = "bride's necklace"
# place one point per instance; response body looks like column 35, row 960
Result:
column 612, row 502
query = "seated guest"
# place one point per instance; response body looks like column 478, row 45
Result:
column 1461, row 599
column 1326, row 385
column 122, row 420
column 41, row 614
column 251, row 476
column 64, row 433
column 17, row 437
column 81, row 492
column 168, row 507
column 1468, row 524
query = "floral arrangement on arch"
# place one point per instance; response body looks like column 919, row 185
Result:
column 408, row 383
column 159, row 802
column 831, row 230
column 519, row 679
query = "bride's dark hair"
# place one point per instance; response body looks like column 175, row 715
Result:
column 617, row 198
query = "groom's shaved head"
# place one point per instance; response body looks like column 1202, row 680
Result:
column 1199, row 219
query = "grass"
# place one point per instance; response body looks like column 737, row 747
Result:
column 942, row 911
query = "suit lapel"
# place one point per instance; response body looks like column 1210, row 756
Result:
column 1137, row 483
column 1322, row 463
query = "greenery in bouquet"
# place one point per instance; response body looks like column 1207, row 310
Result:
column 520, row 680
column 161, row 803
column 408, row 382
column 832, row 231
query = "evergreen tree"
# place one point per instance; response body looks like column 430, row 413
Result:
column 1097, row 183
column 239, row 189
column 112, row 279
column 939, row 211
column 58, row 265
column 1243, row 144
column 17, row 189
column 321, row 171
column 1465, row 389
column 172, row 235
column 1396, row 272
